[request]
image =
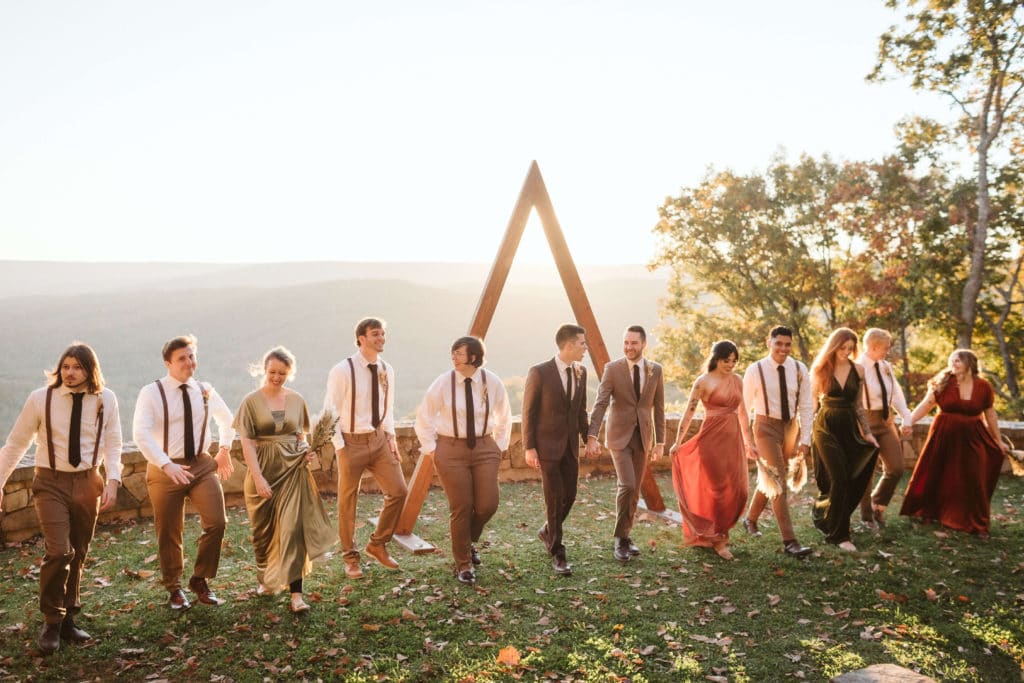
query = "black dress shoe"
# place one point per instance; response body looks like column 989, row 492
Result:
column 49, row 638
column 794, row 549
column 474, row 556
column 750, row 526
column 68, row 631
column 178, row 600
column 561, row 566
column 466, row 576
column 621, row 550
column 633, row 550
column 198, row 585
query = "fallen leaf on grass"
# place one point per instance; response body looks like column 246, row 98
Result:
column 371, row 627
column 409, row 615
column 509, row 656
column 774, row 599
column 891, row 597
column 931, row 595
column 139, row 573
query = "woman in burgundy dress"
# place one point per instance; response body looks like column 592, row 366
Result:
column 959, row 464
column 709, row 472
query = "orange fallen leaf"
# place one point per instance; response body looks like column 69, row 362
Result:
column 371, row 627
column 931, row 595
column 508, row 656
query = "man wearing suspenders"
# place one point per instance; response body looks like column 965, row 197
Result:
column 171, row 428
column 361, row 392
column 466, row 421
column 71, row 420
column 778, row 389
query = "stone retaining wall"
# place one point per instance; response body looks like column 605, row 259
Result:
column 18, row 520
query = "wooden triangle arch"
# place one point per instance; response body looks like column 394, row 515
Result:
column 534, row 195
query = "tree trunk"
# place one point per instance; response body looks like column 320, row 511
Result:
column 972, row 288
column 905, row 362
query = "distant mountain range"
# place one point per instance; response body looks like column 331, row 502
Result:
column 126, row 312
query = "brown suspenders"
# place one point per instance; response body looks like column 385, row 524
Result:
column 167, row 419
column 49, row 429
column 764, row 388
column 487, row 405
column 352, row 395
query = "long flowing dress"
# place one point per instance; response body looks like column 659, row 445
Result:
column 709, row 472
column 958, row 468
column 290, row 529
column 844, row 462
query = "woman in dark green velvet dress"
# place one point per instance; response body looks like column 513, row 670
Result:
column 842, row 446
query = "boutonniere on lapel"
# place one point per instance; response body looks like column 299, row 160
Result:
column 577, row 370
column 650, row 370
column 205, row 391
column 383, row 377
column 887, row 370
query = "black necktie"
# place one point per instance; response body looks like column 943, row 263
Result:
column 783, row 394
column 190, row 438
column 470, row 415
column 75, row 431
column 568, row 385
column 885, row 394
column 374, row 397
column 636, row 381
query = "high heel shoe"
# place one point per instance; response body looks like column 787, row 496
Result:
column 723, row 551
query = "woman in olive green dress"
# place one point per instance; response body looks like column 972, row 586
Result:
column 843, row 448
column 290, row 528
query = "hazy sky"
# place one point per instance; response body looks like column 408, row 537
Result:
column 279, row 131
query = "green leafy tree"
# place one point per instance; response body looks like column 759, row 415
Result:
column 972, row 52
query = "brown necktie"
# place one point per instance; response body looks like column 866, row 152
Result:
column 190, row 437
column 885, row 394
column 470, row 415
column 783, row 394
column 75, row 430
column 374, row 397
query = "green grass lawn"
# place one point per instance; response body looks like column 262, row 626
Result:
column 940, row 602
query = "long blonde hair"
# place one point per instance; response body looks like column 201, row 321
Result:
column 939, row 383
column 824, row 365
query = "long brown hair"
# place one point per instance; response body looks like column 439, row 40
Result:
column 939, row 383
column 86, row 357
column 824, row 365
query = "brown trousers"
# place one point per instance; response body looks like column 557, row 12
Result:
column 67, row 504
column 775, row 441
column 470, row 480
column 559, row 480
column 890, row 455
column 168, row 500
column 368, row 452
column 629, row 470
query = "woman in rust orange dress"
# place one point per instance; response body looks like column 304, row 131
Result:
column 709, row 472
column 959, row 464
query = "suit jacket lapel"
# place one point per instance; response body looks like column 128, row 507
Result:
column 557, row 376
column 649, row 380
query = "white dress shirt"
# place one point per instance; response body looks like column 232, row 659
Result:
column 562, row 365
column 148, row 422
column 434, row 415
column 31, row 426
column 802, row 406
column 339, row 397
column 873, row 391
column 643, row 374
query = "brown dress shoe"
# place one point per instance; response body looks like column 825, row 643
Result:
column 794, row 549
column 68, row 631
column 49, row 638
column 380, row 553
column 474, row 555
column 197, row 585
column 621, row 550
column 466, row 576
column 750, row 526
column 353, row 570
column 178, row 600
column 561, row 566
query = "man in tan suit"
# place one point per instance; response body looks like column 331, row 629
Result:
column 634, row 388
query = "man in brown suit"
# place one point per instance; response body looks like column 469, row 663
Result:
column 636, row 428
column 554, row 422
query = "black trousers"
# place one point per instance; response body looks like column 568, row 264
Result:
column 559, row 479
